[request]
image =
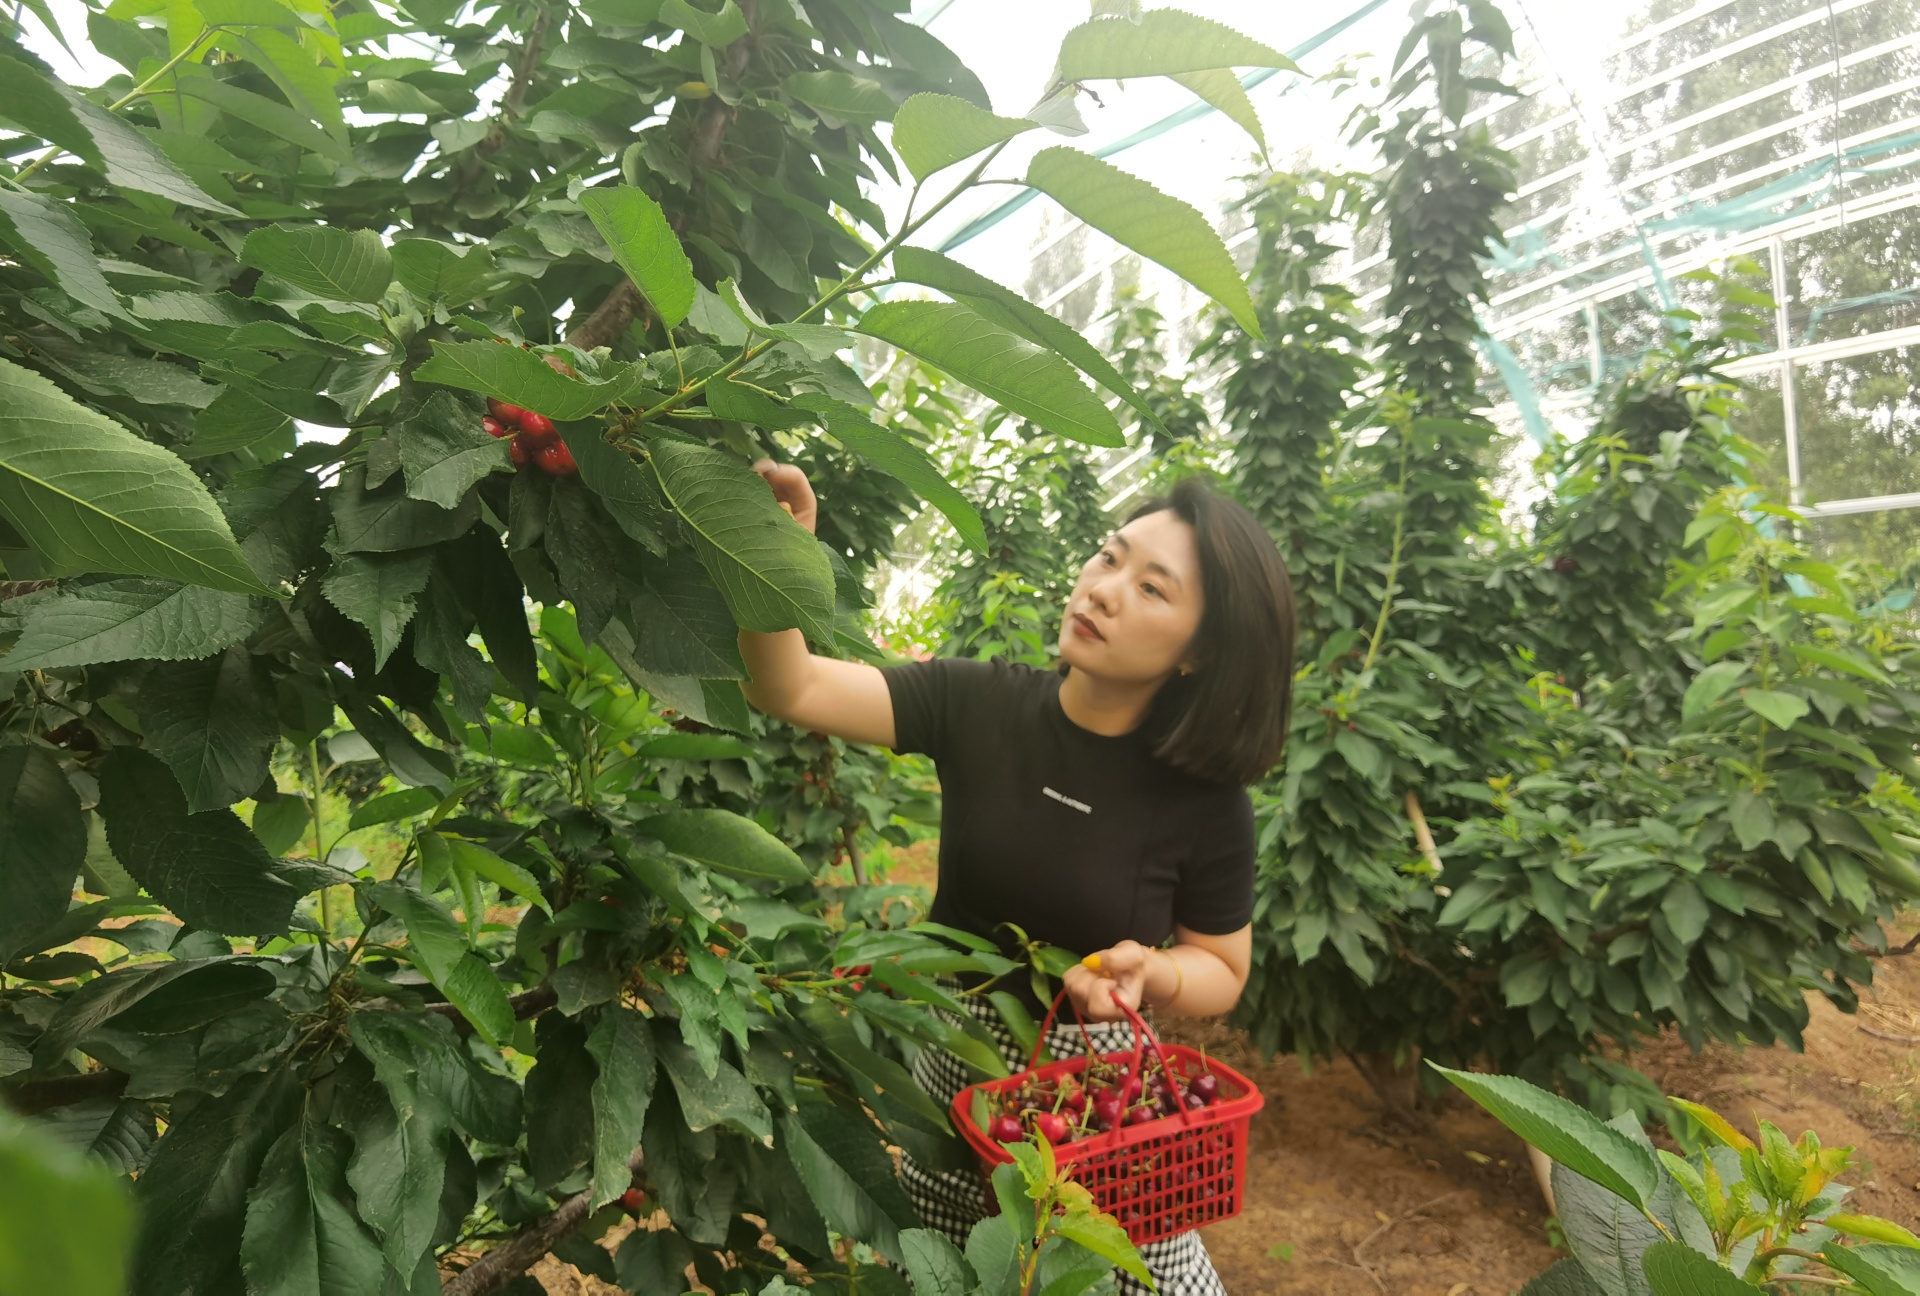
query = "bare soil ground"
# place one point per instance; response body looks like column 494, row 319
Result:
column 1342, row 1203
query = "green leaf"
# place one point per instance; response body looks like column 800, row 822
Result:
column 301, row 1234
column 622, row 1045
column 845, row 1166
column 644, row 244
column 1160, row 228
column 1001, row 365
column 129, row 619
column 1781, row 709
column 818, row 340
column 1872, row 1228
column 379, row 591
column 1845, row 662
column 892, row 453
column 65, row 1224
column 326, row 262
column 50, row 239
column 1016, row 314
column 772, row 574
column 233, row 421
column 724, row 1097
column 1565, row 1279
column 1880, row 1270
column 132, row 160
column 503, row 873
column 386, row 520
column 686, row 627
column 193, row 1194
column 29, row 100
column 1104, row 1237
column 1164, row 42
column 436, row 947
column 444, row 451
column 214, row 723
column 391, row 806
column 686, row 746
column 524, row 379
column 1676, row 1269
column 208, row 868
column 91, row 496
column 712, row 29
column 626, row 490
column 399, row 1127
column 1710, row 685
column 445, row 272
column 1221, row 88
column 727, row 843
column 933, row 131
column 559, row 1097
column 1569, row 1134
column 43, row 840
column 935, row 1264
column 841, row 96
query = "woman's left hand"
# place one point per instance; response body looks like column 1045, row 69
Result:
column 1122, row 979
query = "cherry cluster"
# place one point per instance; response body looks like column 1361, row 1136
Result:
column 1101, row 1098
column 534, row 439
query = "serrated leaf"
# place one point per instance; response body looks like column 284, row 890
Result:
column 1872, row 1228
column 438, row 950
column 1710, row 685
column 43, row 840
column 1781, row 709
column 1880, row 1270
column 329, row 263
column 845, row 1167
column 1016, row 314
column 379, row 591
column 1001, row 365
column 386, row 520
column 208, row 868
column 444, row 272
column 645, row 245
column 399, row 1127
column 1165, row 42
column 214, row 722
column 933, row 131
column 728, row 843
column 301, row 1234
column 817, row 340
column 444, row 451
column 935, row 1264
column 1159, row 227
column 1565, row 1279
column 894, row 454
column 1715, row 1124
column 34, row 103
column 841, row 96
column 503, row 873
column 91, row 496
column 1221, row 88
column 1104, row 1237
column 720, row 1097
column 716, row 30
column 391, row 806
column 686, row 628
column 1676, row 1269
column 48, row 237
column 524, row 379
column 129, row 619
column 1569, row 1134
column 622, row 1046
column 772, row 574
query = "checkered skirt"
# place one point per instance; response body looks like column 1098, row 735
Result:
column 955, row 1202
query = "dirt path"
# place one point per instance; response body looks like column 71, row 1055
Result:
column 1340, row 1205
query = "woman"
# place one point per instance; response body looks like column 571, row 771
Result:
column 1101, row 807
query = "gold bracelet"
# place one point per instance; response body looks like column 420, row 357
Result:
column 1179, row 972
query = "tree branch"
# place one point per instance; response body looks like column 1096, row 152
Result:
column 528, row 1003
column 34, row 1096
column 523, row 69
column 523, row 1250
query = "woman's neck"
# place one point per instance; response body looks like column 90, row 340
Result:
column 1105, row 707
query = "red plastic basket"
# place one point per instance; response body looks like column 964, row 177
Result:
column 1159, row 1178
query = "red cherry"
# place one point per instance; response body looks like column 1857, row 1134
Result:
column 1141, row 1115
column 1205, row 1087
column 494, row 427
column 857, row 986
column 504, row 412
column 631, row 1200
column 1132, row 1089
column 1108, row 1109
column 1051, row 1127
column 555, row 459
column 1076, row 1101
column 611, row 902
column 1006, row 1129
column 517, row 451
column 537, row 424
column 860, row 969
column 1195, row 1102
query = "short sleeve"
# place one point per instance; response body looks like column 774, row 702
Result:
column 1215, row 895
column 932, row 699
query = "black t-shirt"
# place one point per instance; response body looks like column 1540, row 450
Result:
column 1082, row 840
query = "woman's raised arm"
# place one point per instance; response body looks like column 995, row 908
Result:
column 785, row 680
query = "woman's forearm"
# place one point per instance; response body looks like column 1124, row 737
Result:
column 779, row 665
column 1190, row 980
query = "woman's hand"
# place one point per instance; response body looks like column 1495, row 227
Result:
column 1121, row 979
column 792, row 490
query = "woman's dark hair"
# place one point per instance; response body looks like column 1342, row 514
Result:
column 1227, row 721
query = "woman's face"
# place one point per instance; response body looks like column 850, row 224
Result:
column 1135, row 610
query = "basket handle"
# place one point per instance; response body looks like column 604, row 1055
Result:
column 1143, row 1036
